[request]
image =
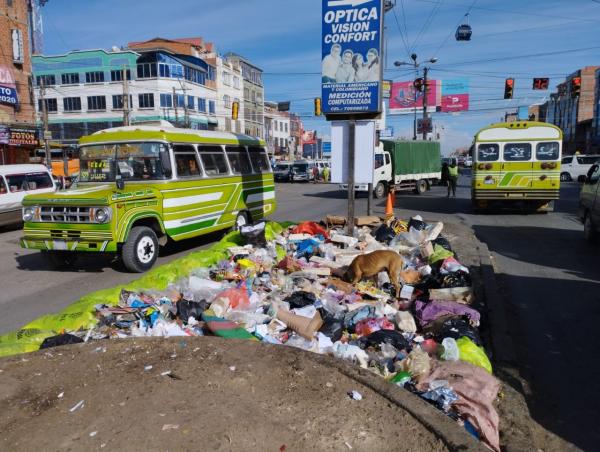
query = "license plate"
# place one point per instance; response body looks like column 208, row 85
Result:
column 59, row 245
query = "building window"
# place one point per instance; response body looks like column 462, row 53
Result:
column 146, row 100
column 96, row 102
column 166, row 101
column 190, row 103
column 202, row 105
column 72, row 104
column 286, row 127
column 117, row 101
column 94, row 77
column 226, row 78
column 227, row 101
column 117, row 75
column 71, row 78
column 275, row 125
column 246, row 94
column 179, row 100
column 236, row 82
column 48, row 80
column 211, row 107
column 51, row 105
column 146, row 70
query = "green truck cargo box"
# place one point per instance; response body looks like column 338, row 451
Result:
column 414, row 157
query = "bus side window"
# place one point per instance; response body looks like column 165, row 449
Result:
column 259, row 159
column 238, row 159
column 185, row 161
column 3, row 189
column 213, row 160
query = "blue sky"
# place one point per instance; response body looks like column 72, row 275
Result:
column 283, row 38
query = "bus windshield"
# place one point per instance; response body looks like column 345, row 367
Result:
column 134, row 161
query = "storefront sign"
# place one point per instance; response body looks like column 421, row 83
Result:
column 351, row 51
column 23, row 137
column 8, row 88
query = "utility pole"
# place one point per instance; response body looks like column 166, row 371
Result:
column 45, row 122
column 125, row 98
column 425, row 90
column 175, row 107
column 185, row 106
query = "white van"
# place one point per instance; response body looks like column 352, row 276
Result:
column 16, row 181
column 575, row 167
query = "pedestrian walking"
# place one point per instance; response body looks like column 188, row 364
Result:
column 452, row 178
column 326, row 174
column 315, row 172
column 445, row 174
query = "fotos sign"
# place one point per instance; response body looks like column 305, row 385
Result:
column 351, row 68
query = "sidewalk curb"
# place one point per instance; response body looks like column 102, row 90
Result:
column 446, row 429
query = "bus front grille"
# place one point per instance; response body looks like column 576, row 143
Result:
column 65, row 214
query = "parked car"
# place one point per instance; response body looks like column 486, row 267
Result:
column 281, row 171
column 302, row 171
column 575, row 167
column 589, row 203
column 16, row 181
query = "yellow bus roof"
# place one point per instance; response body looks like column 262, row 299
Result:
column 519, row 125
column 169, row 134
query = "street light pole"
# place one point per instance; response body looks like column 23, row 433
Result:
column 424, row 126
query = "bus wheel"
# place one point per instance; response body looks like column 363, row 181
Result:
column 140, row 251
column 240, row 221
column 379, row 190
column 421, row 187
column 565, row 177
column 60, row 259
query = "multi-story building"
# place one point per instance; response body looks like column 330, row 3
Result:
column 254, row 94
column 296, row 130
column 229, row 90
column 86, row 91
column 20, row 36
column 277, row 131
column 537, row 112
column 596, row 119
column 574, row 114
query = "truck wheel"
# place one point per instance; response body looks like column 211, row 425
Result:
column 421, row 187
column 379, row 190
column 140, row 251
column 60, row 259
column 565, row 177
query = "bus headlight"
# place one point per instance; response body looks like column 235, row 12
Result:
column 28, row 213
column 102, row 215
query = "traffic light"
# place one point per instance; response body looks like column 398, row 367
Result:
column 509, row 85
column 235, row 110
column 318, row 111
column 419, row 84
column 575, row 86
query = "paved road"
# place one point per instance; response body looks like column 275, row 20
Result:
column 551, row 276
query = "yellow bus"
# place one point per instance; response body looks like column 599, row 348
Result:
column 516, row 164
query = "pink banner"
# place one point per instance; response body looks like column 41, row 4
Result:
column 402, row 99
column 455, row 102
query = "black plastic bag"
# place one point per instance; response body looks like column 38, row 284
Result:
column 379, row 337
column 416, row 224
column 454, row 327
column 443, row 242
column 456, row 279
column 254, row 235
column 187, row 309
column 301, row 299
column 61, row 339
column 383, row 234
column 332, row 328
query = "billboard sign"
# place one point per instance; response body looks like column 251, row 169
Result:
column 455, row 95
column 405, row 97
column 364, row 161
column 351, row 68
column 8, row 88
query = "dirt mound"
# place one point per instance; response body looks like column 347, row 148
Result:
column 194, row 394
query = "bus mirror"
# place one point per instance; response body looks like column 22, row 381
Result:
column 120, row 182
column 165, row 161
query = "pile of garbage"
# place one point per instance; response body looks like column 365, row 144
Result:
column 392, row 297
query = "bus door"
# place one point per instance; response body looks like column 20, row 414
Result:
column 488, row 167
column 517, row 170
column 546, row 166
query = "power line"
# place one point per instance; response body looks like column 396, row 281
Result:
column 404, row 40
column 428, row 21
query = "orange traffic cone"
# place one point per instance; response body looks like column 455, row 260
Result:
column 389, row 207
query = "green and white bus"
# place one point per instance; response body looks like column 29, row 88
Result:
column 142, row 185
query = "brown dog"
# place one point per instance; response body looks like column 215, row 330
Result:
column 369, row 265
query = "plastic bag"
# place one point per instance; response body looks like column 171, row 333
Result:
column 454, row 327
column 368, row 326
column 456, row 279
column 417, row 223
column 187, row 309
column 254, row 235
column 306, row 248
column 236, row 297
column 417, row 363
column 310, row 227
column 443, row 242
column 383, row 234
column 353, row 317
column 61, row 339
column 301, row 299
column 450, row 349
column 439, row 253
column 473, row 354
column 332, row 328
column 202, row 288
column 405, row 322
column 391, row 337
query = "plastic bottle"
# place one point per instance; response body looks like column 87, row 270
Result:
column 450, row 347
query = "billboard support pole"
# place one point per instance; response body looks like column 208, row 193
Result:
column 351, row 153
column 425, row 91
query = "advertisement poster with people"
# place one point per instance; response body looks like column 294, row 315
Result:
column 351, row 67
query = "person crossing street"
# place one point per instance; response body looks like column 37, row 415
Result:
column 452, row 178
